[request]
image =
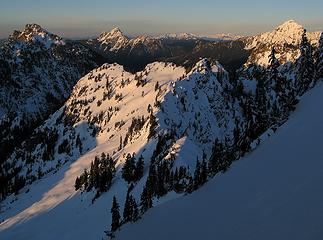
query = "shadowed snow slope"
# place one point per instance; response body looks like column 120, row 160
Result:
column 275, row 192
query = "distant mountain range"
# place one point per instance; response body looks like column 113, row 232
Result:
column 135, row 53
column 189, row 36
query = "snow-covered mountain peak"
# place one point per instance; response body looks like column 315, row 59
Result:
column 34, row 33
column 290, row 25
column 285, row 38
column 115, row 38
column 287, row 33
column 34, row 27
column 114, row 33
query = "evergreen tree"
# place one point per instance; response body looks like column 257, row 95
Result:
column 106, row 172
column 197, row 172
column 129, row 168
column 203, row 173
column 319, row 60
column 135, row 211
column 152, row 125
column 120, row 144
column 156, row 86
column 162, row 179
column 146, row 199
column 305, row 65
column 152, row 181
column 77, row 184
column 79, row 143
column 215, row 159
column 140, row 168
column 261, row 108
column 273, row 69
column 128, row 210
column 115, row 223
column 85, row 180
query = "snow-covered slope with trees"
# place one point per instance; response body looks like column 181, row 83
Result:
column 274, row 192
column 116, row 112
column 144, row 138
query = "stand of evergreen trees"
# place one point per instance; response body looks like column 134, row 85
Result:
column 133, row 171
column 99, row 177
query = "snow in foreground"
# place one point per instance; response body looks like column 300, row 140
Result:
column 274, row 193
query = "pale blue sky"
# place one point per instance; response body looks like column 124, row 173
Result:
column 75, row 18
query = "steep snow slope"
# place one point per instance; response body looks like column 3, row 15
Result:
column 273, row 193
column 193, row 107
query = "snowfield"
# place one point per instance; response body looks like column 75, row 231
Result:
column 275, row 192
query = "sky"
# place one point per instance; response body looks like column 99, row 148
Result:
column 85, row 18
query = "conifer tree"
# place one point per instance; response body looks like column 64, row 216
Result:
column 128, row 170
column 261, row 104
column 127, row 210
column 115, row 223
column 85, row 180
column 146, row 199
column 305, row 65
column 135, row 211
column 319, row 60
column 273, row 69
column 156, row 86
column 153, row 125
column 215, row 158
column 197, row 173
column 77, row 184
column 120, row 144
column 203, row 173
column 162, row 179
column 140, row 168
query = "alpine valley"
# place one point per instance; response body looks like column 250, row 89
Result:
column 126, row 137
